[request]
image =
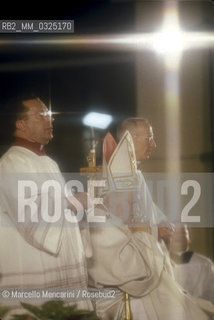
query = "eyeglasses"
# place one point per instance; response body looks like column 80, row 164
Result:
column 43, row 114
column 46, row 113
column 149, row 139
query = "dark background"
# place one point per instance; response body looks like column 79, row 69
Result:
column 80, row 79
column 76, row 81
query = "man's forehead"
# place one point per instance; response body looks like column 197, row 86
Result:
column 144, row 127
column 35, row 105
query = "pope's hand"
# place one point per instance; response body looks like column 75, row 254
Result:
column 165, row 232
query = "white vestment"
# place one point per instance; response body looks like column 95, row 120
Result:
column 37, row 254
column 133, row 262
column 197, row 276
column 136, row 263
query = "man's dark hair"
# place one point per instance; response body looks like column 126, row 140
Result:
column 15, row 110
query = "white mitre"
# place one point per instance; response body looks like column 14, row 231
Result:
column 119, row 164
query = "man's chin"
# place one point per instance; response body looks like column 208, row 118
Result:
column 46, row 141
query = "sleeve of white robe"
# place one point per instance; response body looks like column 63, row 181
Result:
column 44, row 235
column 131, row 261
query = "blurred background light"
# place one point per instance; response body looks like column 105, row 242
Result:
column 170, row 39
column 97, row 120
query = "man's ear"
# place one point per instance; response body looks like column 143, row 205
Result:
column 20, row 125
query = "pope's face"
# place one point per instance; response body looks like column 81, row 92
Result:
column 37, row 123
column 143, row 139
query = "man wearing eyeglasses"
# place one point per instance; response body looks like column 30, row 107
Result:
column 142, row 135
column 36, row 123
column 36, row 252
column 128, row 252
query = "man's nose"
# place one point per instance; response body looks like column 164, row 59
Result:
column 49, row 118
column 153, row 143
